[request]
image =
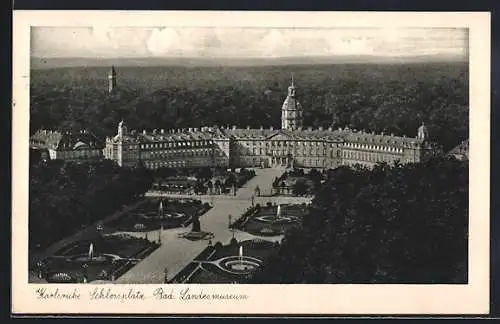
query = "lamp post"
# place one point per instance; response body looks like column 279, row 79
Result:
column 39, row 266
column 159, row 234
column 230, row 217
column 99, row 229
column 85, row 266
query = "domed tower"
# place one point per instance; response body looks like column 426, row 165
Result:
column 291, row 112
column 423, row 133
column 112, row 80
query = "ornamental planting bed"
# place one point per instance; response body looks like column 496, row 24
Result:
column 112, row 256
column 262, row 220
column 223, row 264
column 176, row 213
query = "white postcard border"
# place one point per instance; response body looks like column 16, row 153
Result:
column 472, row 298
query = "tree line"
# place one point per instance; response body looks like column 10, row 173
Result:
column 401, row 224
column 380, row 98
column 65, row 196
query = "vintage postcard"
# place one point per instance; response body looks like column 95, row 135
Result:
column 250, row 162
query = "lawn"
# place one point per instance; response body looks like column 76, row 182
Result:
column 262, row 221
column 175, row 213
column 112, row 255
column 212, row 265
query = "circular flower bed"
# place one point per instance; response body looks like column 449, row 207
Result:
column 257, row 244
column 61, row 277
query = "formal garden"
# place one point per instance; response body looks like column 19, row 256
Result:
column 297, row 182
column 212, row 181
column 232, row 263
column 104, row 257
column 159, row 213
column 270, row 220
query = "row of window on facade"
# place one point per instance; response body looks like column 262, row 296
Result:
column 79, row 153
column 170, row 164
column 176, row 144
column 195, row 153
column 285, row 143
column 366, row 156
column 374, row 147
column 306, row 161
column 296, row 151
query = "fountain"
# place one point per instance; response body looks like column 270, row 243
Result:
column 160, row 209
column 91, row 251
column 92, row 257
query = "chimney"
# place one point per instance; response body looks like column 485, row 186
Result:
column 330, row 129
column 271, row 128
column 162, row 131
column 154, row 131
column 320, row 128
column 144, row 131
column 190, row 129
column 234, row 127
column 248, row 127
column 261, row 127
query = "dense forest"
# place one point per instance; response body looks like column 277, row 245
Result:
column 374, row 97
column 65, row 196
column 401, row 224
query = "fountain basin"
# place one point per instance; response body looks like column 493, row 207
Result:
column 237, row 265
column 276, row 220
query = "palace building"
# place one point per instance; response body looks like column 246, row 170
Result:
column 292, row 145
column 68, row 145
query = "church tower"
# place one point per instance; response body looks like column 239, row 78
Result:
column 111, row 80
column 291, row 112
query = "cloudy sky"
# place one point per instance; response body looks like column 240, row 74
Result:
column 99, row 42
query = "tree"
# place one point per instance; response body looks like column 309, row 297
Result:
column 218, row 186
column 400, row 224
column 199, row 187
column 65, row 196
column 300, row 187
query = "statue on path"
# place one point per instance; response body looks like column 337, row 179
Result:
column 196, row 225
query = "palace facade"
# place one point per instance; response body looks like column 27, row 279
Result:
column 68, row 145
column 292, row 145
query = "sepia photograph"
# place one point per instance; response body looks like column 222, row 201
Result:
column 246, row 155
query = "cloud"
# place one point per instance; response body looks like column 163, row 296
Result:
column 104, row 41
column 352, row 46
column 163, row 41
